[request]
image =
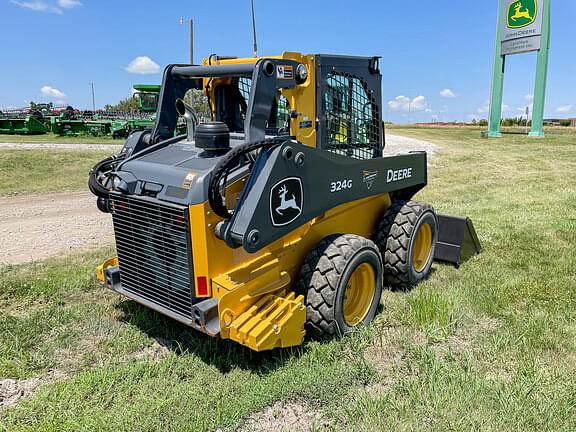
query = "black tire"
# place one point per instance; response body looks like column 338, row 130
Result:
column 324, row 280
column 396, row 239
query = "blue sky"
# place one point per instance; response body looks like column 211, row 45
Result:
column 437, row 54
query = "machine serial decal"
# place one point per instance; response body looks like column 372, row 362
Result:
column 369, row 177
column 338, row 186
column 397, row 175
column 284, row 72
column 286, row 199
column 187, row 183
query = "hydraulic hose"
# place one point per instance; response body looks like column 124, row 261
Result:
column 226, row 164
column 99, row 175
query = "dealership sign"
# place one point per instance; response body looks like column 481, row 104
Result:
column 521, row 26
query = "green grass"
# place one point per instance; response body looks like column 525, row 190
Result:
column 40, row 171
column 430, row 311
column 64, row 321
column 490, row 346
column 56, row 139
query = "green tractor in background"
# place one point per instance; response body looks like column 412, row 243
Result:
column 147, row 96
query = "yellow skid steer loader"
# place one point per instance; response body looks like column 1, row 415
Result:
column 278, row 217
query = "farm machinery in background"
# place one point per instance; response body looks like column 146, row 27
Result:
column 27, row 121
column 38, row 119
column 117, row 124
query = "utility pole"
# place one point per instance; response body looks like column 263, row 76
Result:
column 93, row 100
column 191, row 39
column 191, row 42
column 191, row 52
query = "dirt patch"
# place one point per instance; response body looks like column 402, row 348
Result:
column 12, row 391
column 159, row 349
column 388, row 352
column 34, row 227
column 286, row 416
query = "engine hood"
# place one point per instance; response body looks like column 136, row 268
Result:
column 179, row 173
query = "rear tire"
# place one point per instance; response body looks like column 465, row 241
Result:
column 341, row 280
column 407, row 237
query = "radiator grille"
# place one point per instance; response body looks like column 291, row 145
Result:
column 152, row 241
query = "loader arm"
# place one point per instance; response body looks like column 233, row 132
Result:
column 291, row 184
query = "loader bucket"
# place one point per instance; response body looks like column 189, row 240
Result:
column 457, row 240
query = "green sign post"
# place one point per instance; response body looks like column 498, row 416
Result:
column 523, row 26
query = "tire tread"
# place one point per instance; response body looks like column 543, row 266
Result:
column 393, row 239
column 319, row 278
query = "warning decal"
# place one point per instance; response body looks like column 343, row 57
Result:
column 187, row 183
column 284, row 72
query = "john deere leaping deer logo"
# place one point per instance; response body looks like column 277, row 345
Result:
column 286, row 201
column 521, row 13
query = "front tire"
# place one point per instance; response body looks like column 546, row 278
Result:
column 341, row 280
column 407, row 237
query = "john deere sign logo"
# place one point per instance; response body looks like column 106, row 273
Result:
column 521, row 13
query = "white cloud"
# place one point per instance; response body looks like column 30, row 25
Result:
column 447, row 93
column 38, row 5
column 419, row 103
column 399, row 104
column 564, row 109
column 69, row 4
column 143, row 65
column 403, row 103
column 52, row 93
column 485, row 108
column 529, row 97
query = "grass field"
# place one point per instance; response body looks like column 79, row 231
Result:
column 56, row 139
column 490, row 346
column 46, row 170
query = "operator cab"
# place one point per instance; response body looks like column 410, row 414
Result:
column 231, row 98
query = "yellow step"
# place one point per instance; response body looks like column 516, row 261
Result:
column 272, row 322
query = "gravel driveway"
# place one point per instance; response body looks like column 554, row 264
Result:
column 394, row 144
column 69, row 146
column 33, row 227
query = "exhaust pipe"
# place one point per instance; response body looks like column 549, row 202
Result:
column 188, row 113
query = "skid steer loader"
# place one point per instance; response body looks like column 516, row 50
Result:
column 279, row 217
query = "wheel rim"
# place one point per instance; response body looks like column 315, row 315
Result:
column 422, row 247
column 359, row 294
